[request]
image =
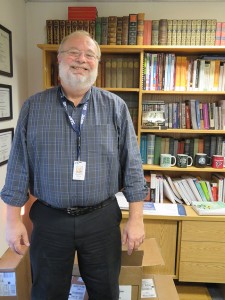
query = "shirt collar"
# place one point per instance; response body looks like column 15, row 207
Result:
column 84, row 99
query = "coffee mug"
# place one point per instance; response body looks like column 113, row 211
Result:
column 167, row 160
column 202, row 160
column 217, row 161
column 184, row 160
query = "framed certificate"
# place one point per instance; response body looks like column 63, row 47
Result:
column 6, row 137
column 6, row 112
column 6, row 64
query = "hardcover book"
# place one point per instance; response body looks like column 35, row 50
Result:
column 209, row 208
column 140, row 28
column 132, row 29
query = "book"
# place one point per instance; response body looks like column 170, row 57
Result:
column 180, row 188
column 56, row 32
column 112, row 27
column 219, row 179
column 125, row 30
column 152, row 187
column 155, row 32
column 168, row 192
column 162, row 38
column 200, row 190
column 150, row 148
column 209, row 208
column 132, row 29
column 49, row 30
column 150, row 208
column 104, row 32
column 119, row 30
column 191, row 181
column 98, row 30
column 140, row 28
column 164, row 209
column 205, row 189
column 147, row 38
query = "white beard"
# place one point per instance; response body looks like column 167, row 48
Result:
column 75, row 80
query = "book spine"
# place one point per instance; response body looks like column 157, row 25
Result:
column 119, row 30
column 125, row 30
column 49, row 30
column 218, row 33
column 155, row 32
column 140, row 28
column 112, row 27
column 162, row 39
column 104, row 33
column 143, row 148
column 132, row 32
column 203, row 32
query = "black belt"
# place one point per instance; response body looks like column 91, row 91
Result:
column 80, row 210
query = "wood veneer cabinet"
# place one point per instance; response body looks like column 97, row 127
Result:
column 202, row 251
column 193, row 247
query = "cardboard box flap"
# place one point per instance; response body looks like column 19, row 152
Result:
column 10, row 260
column 152, row 254
column 135, row 259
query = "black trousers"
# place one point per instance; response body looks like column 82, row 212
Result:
column 57, row 236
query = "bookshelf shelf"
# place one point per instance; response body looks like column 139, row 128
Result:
column 183, row 92
column 183, row 170
column 183, row 131
column 134, row 90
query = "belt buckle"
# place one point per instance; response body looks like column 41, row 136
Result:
column 73, row 211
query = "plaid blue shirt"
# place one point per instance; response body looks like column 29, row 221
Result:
column 45, row 147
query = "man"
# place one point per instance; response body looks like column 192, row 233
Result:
column 74, row 148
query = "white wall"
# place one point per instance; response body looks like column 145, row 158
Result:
column 27, row 23
column 12, row 16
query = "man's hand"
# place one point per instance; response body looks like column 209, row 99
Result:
column 16, row 233
column 134, row 232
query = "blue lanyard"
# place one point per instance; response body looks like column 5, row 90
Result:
column 75, row 127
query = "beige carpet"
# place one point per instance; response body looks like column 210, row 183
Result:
column 192, row 291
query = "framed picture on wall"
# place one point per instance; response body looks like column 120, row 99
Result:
column 6, row 110
column 6, row 137
column 6, row 63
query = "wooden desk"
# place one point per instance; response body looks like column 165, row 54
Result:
column 193, row 246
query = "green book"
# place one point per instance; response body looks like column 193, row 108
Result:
column 157, row 150
column 205, row 189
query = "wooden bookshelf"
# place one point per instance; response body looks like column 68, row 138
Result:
column 180, row 238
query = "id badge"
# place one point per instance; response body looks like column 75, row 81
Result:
column 79, row 168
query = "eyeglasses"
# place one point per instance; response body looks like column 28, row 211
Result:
column 74, row 53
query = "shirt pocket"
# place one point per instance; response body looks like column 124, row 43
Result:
column 100, row 139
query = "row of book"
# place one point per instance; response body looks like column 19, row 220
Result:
column 133, row 29
column 187, row 32
column 112, row 30
column 151, row 146
column 185, row 189
column 188, row 114
column 170, row 72
column 118, row 72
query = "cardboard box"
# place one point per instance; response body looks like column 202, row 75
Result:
column 15, row 276
column 77, row 289
column 131, row 273
column 158, row 287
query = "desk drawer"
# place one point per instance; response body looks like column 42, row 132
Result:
column 203, row 231
column 202, row 272
column 202, row 252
